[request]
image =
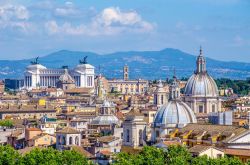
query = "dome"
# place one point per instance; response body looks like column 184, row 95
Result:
column 174, row 114
column 105, row 120
column 201, row 84
column 66, row 78
column 35, row 67
column 108, row 104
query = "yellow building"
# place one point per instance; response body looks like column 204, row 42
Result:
column 42, row 140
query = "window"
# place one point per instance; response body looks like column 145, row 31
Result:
column 219, row 155
column 140, row 138
column 213, row 108
column 157, row 133
column 70, row 140
column 63, row 140
column 127, row 138
column 76, row 140
column 200, row 109
column 161, row 99
column 89, row 80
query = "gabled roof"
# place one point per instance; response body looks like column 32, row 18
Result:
column 83, row 151
column 201, row 148
column 68, row 130
column 107, row 139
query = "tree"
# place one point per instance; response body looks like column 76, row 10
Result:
column 42, row 156
column 6, row 123
column 51, row 156
column 178, row 155
column 148, row 156
column 204, row 160
column 73, row 157
column 9, row 156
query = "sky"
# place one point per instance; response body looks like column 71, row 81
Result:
column 30, row 28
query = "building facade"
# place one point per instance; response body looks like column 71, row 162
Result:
column 127, row 86
column 37, row 75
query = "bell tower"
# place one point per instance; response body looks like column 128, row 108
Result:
column 160, row 95
column 125, row 72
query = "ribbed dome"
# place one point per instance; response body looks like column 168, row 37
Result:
column 202, row 85
column 66, row 78
column 174, row 114
column 105, row 120
column 108, row 104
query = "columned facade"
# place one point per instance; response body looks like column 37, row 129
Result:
column 36, row 75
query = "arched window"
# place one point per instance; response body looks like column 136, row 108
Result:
column 127, row 139
column 157, row 133
column 63, row 140
column 59, row 139
column 70, row 140
column 213, row 108
column 140, row 137
column 76, row 140
column 200, row 109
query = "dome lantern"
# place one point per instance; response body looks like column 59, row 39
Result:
column 200, row 63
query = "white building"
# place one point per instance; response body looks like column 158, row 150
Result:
column 67, row 137
column 37, row 75
column 134, row 131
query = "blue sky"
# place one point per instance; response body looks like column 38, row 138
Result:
column 30, row 28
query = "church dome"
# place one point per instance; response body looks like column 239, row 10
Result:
column 105, row 120
column 201, row 84
column 174, row 114
column 66, row 78
column 107, row 104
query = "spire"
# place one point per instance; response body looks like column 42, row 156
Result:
column 200, row 51
column 200, row 63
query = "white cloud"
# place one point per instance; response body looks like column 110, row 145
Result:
column 9, row 12
column 109, row 21
column 67, row 10
column 14, row 17
column 113, row 15
column 51, row 27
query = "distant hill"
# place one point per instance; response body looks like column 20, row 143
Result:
column 143, row 64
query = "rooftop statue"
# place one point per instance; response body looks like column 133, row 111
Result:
column 84, row 61
column 35, row 61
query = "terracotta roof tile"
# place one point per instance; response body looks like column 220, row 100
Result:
column 68, row 130
column 238, row 152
